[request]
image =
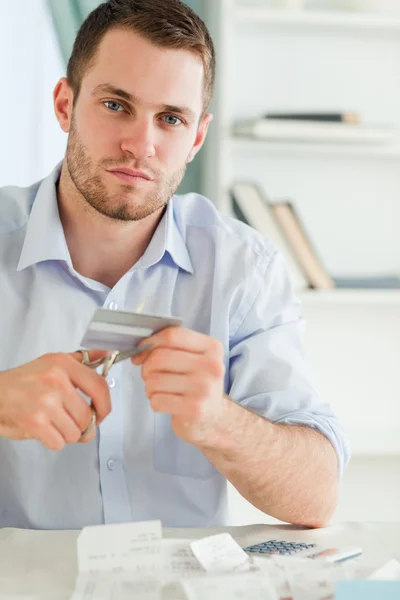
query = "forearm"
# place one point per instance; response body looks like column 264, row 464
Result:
column 289, row 472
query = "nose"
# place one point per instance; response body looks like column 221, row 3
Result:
column 139, row 141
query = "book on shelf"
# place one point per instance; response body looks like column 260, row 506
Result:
column 301, row 246
column 280, row 222
column 310, row 262
column 319, row 116
column 251, row 206
column 292, row 130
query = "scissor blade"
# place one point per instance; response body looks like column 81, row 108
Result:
column 129, row 353
column 119, row 356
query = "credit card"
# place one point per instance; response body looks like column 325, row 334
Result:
column 120, row 330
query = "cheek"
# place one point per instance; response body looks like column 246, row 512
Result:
column 98, row 135
column 173, row 150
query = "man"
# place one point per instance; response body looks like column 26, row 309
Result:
column 227, row 396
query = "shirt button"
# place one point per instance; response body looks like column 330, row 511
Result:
column 111, row 382
column 113, row 306
column 111, row 464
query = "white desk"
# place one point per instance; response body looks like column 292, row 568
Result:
column 31, row 561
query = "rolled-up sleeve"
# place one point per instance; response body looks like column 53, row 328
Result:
column 268, row 368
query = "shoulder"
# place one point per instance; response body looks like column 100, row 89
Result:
column 196, row 212
column 15, row 207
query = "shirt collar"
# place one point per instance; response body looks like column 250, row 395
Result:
column 168, row 238
column 45, row 239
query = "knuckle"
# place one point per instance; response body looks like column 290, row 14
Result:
column 38, row 419
column 49, row 401
column 149, row 389
column 151, row 363
column 170, row 335
column 56, row 445
column 220, row 371
column 145, row 370
column 56, row 358
column 65, row 360
column 217, row 347
column 204, row 387
column 54, row 376
column 214, row 367
column 156, row 402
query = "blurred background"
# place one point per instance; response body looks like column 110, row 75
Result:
column 307, row 117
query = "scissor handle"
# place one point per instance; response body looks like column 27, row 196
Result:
column 113, row 358
column 108, row 362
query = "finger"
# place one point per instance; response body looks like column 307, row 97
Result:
column 50, row 437
column 177, row 361
column 78, row 409
column 92, row 384
column 173, row 405
column 168, row 383
column 140, row 359
column 167, row 359
column 180, row 385
column 66, row 426
column 180, row 338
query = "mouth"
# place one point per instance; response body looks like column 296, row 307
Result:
column 131, row 176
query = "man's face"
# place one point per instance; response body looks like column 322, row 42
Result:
column 135, row 125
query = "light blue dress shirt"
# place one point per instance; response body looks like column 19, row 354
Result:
column 225, row 280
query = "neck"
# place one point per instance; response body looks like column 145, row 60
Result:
column 101, row 248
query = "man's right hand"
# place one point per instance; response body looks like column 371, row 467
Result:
column 40, row 400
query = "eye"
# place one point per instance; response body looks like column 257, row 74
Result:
column 172, row 120
column 114, row 106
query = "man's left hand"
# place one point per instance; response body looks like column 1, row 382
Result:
column 184, row 376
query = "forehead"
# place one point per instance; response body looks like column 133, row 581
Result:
column 153, row 74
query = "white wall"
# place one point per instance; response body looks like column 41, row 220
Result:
column 349, row 204
column 30, row 65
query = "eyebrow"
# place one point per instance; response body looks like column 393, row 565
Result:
column 114, row 91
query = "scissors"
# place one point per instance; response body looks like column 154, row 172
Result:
column 112, row 359
column 107, row 362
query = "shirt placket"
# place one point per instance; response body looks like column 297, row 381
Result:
column 116, row 504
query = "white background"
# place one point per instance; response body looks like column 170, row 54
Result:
column 30, row 66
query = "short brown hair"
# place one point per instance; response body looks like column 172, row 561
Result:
column 165, row 23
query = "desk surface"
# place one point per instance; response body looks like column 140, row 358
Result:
column 32, row 561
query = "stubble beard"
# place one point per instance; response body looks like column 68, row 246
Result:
column 120, row 206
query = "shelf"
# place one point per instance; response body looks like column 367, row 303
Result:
column 384, row 151
column 351, row 296
column 366, row 22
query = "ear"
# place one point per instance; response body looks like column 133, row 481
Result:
column 200, row 136
column 63, row 97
